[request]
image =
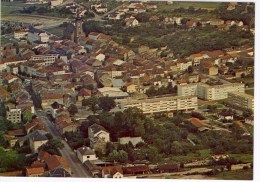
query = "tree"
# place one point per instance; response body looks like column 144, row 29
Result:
column 27, row 116
column 73, row 109
column 190, row 69
column 92, row 103
column 106, row 103
column 52, row 146
column 2, row 109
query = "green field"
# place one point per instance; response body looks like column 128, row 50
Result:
column 246, row 158
column 11, row 8
column 56, row 31
column 236, row 175
column 196, row 5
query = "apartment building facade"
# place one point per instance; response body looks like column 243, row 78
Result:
column 160, row 104
column 209, row 92
column 241, row 100
column 218, row 92
column 14, row 115
column 48, row 58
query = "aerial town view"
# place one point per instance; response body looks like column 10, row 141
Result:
column 127, row 89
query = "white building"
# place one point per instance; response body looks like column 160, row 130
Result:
column 112, row 92
column 48, row 58
column 218, row 92
column 20, row 34
column 160, row 104
column 187, row 89
column 86, row 153
column 14, row 115
column 241, row 100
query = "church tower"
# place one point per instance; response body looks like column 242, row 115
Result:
column 78, row 28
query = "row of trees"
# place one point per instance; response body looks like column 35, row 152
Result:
column 99, row 103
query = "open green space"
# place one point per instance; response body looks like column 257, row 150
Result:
column 243, row 157
column 236, row 175
column 196, row 5
column 58, row 31
column 12, row 8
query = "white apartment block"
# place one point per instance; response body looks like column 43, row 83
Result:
column 161, row 104
column 218, row 92
column 14, row 115
column 48, row 58
column 209, row 92
column 241, row 100
column 187, row 89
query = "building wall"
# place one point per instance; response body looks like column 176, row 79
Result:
column 14, row 115
column 241, row 100
column 35, row 145
column 163, row 104
column 187, row 89
column 218, row 92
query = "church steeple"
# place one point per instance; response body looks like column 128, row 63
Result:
column 78, row 27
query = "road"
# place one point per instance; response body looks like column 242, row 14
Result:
column 78, row 170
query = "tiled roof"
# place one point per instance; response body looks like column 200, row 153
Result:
column 55, row 161
column 196, row 122
column 31, row 171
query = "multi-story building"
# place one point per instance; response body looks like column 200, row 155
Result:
column 187, row 89
column 160, row 104
column 48, row 58
column 209, row 92
column 218, row 92
column 241, row 100
column 14, row 115
column 20, row 34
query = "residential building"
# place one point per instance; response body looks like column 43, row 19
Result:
column 218, row 92
column 14, row 115
column 112, row 172
column 99, row 137
column 48, row 98
column 20, row 34
column 86, row 153
column 187, row 89
column 160, row 104
column 241, row 100
column 37, row 140
column 48, row 58
column 34, row 172
column 54, row 162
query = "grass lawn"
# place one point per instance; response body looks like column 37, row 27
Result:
column 196, row 5
column 11, row 8
column 56, row 31
column 200, row 155
column 243, row 157
column 236, row 175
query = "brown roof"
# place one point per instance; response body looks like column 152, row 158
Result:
column 37, row 164
column 18, row 132
column 48, row 96
column 84, row 92
column 55, row 161
column 112, row 170
column 42, row 155
column 196, row 122
column 36, row 170
column 135, row 169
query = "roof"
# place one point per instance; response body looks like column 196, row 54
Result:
column 133, row 140
column 35, row 170
column 42, row 155
column 58, row 172
column 48, row 96
column 86, row 151
column 37, row 136
column 112, row 170
column 96, row 128
column 196, row 122
column 55, row 161
column 168, row 167
column 135, row 169
column 84, row 92
column 18, row 132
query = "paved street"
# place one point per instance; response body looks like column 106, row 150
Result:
column 78, row 170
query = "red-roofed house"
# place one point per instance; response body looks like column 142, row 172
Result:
column 34, row 172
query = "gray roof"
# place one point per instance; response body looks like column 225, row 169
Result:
column 117, row 83
column 96, row 128
column 86, row 151
column 30, row 135
column 38, row 136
